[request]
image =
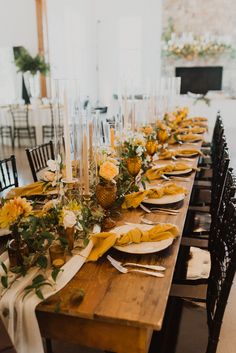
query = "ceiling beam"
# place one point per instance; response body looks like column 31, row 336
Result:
column 40, row 8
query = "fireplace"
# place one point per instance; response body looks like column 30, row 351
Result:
column 200, row 79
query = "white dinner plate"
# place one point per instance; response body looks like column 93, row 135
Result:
column 179, row 172
column 144, row 247
column 4, row 231
column 165, row 200
column 192, row 141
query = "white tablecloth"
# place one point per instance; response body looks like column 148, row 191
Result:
column 38, row 116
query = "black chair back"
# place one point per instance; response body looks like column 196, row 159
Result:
column 38, row 157
column 223, row 267
column 20, row 117
column 8, row 173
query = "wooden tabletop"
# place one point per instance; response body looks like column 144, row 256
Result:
column 116, row 303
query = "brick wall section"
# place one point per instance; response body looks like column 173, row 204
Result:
column 201, row 16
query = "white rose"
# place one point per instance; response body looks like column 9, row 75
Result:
column 48, row 176
column 69, row 219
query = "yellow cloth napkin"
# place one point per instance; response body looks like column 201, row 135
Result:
column 193, row 130
column 134, row 199
column 156, row 173
column 191, row 122
column 189, row 151
column 168, row 154
column 104, row 241
column 185, row 138
column 37, row 188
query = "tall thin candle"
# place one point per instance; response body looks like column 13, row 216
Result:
column 85, row 164
column 67, row 140
column 91, row 141
column 112, row 137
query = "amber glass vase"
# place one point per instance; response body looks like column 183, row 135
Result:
column 151, row 147
column 134, row 165
column 162, row 136
column 106, row 194
column 17, row 250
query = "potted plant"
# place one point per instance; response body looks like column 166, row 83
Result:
column 31, row 67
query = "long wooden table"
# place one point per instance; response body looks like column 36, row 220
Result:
column 119, row 311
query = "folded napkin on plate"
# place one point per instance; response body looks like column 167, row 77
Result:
column 134, row 199
column 38, row 188
column 184, row 138
column 156, row 173
column 104, row 241
column 193, row 130
column 192, row 123
column 168, row 154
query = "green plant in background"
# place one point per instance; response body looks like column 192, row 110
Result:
column 25, row 62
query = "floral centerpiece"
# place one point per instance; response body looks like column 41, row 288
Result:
column 106, row 189
column 151, row 140
column 190, row 46
column 12, row 215
column 134, row 153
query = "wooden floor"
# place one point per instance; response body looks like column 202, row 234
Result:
column 227, row 342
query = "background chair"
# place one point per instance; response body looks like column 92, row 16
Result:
column 48, row 130
column 38, row 157
column 8, row 173
column 21, row 126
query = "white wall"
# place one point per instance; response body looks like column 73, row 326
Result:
column 17, row 28
column 18, row 24
column 121, row 37
column 129, row 45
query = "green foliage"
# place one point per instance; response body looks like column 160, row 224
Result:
column 25, row 62
column 168, row 30
column 38, row 282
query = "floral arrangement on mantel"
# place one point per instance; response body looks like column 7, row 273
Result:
column 190, row 46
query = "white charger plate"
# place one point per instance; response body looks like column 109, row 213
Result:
column 144, row 247
column 165, row 200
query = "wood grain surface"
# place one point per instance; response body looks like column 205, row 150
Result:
column 119, row 311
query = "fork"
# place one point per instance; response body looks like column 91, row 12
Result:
column 150, row 267
column 159, row 210
column 122, row 269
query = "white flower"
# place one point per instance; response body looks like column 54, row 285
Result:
column 69, row 219
column 139, row 151
column 54, row 165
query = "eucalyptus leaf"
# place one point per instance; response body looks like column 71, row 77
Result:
column 39, row 293
column 4, row 281
column 4, row 267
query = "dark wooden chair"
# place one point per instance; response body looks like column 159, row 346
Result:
column 38, row 157
column 48, row 131
column 6, row 132
column 195, row 328
column 21, row 127
column 8, row 173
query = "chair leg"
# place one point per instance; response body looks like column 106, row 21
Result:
column 48, row 342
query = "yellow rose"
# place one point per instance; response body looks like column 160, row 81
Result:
column 108, row 170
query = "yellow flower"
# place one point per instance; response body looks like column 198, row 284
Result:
column 108, row 170
column 12, row 210
column 148, row 130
